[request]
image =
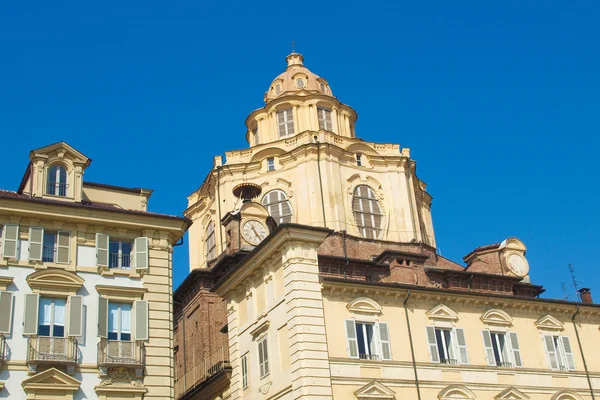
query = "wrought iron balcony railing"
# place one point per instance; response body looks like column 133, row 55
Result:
column 121, row 353
column 449, row 361
column 504, row 364
column 52, row 350
column 122, row 261
column 57, row 188
column 374, row 357
column 211, row 365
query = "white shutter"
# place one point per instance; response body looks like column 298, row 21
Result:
column 141, row 253
column 36, row 240
column 550, row 351
column 568, row 352
column 516, row 351
column 487, row 345
column 75, row 327
column 351, row 338
column 6, row 306
column 384, row 341
column 141, row 320
column 102, row 317
column 102, row 249
column 63, row 247
column 434, row 355
column 30, row 322
column 461, row 345
column 10, row 239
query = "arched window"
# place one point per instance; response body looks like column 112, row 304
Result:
column 57, row 181
column 367, row 212
column 278, row 205
column 211, row 244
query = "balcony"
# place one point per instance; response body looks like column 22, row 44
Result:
column 52, row 350
column 373, row 357
column 119, row 353
column 212, row 372
column 57, row 188
column 121, row 261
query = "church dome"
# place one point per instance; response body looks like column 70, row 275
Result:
column 296, row 80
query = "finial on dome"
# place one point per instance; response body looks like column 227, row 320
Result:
column 294, row 59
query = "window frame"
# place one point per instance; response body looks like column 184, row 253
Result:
column 271, row 164
column 120, row 321
column 264, row 369
column 325, row 118
column 375, row 349
column 211, row 248
column 360, row 214
column 57, row 185
column 53, row 324
column 279, row 203
column 119, row 253
column 359, row 160
column 283, row 127
column 244, row 363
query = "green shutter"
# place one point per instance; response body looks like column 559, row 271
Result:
column 102, row 249
column 141, row 320
column 141, row 253
column 6, row 306
column 36, row 238
column 30, row 323
column 10, row 239
column 63, row 247
column 75, row 316
column 102, row 317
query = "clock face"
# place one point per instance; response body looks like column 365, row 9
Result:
column 518, row 265
column 253, row 231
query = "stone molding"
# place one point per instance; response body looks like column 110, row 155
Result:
column 55, row 281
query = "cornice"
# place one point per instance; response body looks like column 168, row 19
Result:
column 121, row 292
column 5, row 281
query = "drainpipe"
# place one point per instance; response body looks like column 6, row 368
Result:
column 412, row 349
column 321, row 181
column 587, row 373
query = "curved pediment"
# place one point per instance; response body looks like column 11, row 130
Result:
column 364, row 305
column 549, row 322
column 453, row 392
column 512, row 394
column 566, row 395
column 442, row 312
column 361, row 148
column 374, row 390
column 496, row 316
column 54, row 281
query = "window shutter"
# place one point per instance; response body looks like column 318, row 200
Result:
column 6, row 306
column 36, row 238
column 63, row 242
column 328, row 124
column 30, row 323
column 384, row 341
column 461, row 344
column 290, row 122
column 568, row 352
column 141, row 253
column 10, row 239
column 550, row 351
column 102, row 317
column 516, row 352
column 351, row 338
column 489, row 351
column 434, row 355
column 102, row 249
column 75, row 316
column 320, row 112
column 141, row 320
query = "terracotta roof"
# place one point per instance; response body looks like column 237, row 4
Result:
column 483, row 248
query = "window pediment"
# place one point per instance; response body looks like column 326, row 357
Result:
column 496, row 317
column 364, row 305
column 442, row 312
column 456, row 392
column 549, row 322
column 566, row 395
column 5, row 281
column 55, row 281
column 374, row 390
column 51, row 381
column 511, row 393
column 121, row 292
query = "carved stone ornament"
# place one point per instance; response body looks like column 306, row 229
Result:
column 264, row 389
column 106, row 382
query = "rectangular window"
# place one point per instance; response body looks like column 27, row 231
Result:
column 445, row 346
column 558, row 349
column 285, row 122
column 500, row 349
column 368, row 341
column 359, row 160
column 119, row 254
column 270, row 164
column 324, row 118
column 255, row 136
column 51, row 318
column 48, row 246
column 263, row 357
column 119, row 321
column 244, row 371
column 365, row 337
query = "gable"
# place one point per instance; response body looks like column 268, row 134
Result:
column 374, row 390
column 442, row 312
column 61, row 150
column 549, row 322
column 512, row 394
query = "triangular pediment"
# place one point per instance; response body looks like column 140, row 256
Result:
column 442, row 312
column 549, row 322
column 456, row 392
column 511, row 394
column 496, row 317
column 364, row 305
column 51, row 380
column 374, row 390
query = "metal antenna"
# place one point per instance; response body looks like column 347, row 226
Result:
column 565, row 290
column 575, row 284
column 293, row 46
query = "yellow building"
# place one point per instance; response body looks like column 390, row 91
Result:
column 85, row 286
column 322, row 246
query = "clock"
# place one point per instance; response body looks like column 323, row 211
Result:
column 518, row 265
column 254, row 231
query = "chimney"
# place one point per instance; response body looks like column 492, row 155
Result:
column 586, row 296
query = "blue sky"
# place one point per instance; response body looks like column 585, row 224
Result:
column 498, row 102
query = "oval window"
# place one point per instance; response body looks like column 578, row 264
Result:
column 300, row 83
column 278, row 89
column 367, row 212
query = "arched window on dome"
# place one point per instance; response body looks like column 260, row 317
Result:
column 211, row 244
column 278, row 206
column 285, row 122
column 277, row 90
column 57, row 180
column 367, row 212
